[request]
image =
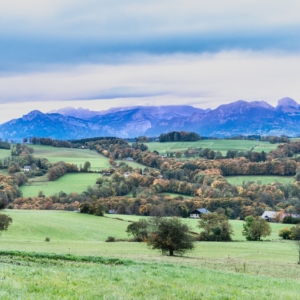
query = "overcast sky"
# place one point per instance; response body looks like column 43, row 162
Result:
column 99, row 54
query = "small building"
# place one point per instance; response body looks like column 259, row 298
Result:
column 276, row 216
column 27, row 168
column 112, row 211
column 128, row 159
column 196, row 214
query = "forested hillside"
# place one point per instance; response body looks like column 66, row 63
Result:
column 144, row 182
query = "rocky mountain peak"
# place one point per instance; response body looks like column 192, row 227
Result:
column 32, row 115
column 288, row 105
column 287, row 102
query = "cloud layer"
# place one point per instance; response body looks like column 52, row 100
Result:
column 147, row 52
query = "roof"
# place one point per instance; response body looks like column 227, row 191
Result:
column 273, row 214
column 27, row 167
column 202, row 211
column 270, row 214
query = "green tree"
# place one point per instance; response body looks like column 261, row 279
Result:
column 86, row 166
column 295, row 235
column 216, row 227
column 138, row 229
column 255, row 228
column 178, row 154
column 285, row 233
column 169, row 235
column 5, row 221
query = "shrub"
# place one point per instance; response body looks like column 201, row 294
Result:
column 285, row 233
column 110, row 239
column 290, row 220
column 5, row 221
column 139, row 230
column 47, row 239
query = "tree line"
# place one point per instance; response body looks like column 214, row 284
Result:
column 179, row 136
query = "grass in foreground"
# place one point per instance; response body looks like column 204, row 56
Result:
column 38, row 278
column 124, row 270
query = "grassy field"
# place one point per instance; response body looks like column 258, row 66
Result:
column 216, row 145
column 70, row 182
column 86, row 235
column 236, row 270
column 176, row 195
column 193, row 223
column 75, row 156
column 238, row 180
column 4, row 153
column 132, row 164
column 77, row 182
column 57, row 279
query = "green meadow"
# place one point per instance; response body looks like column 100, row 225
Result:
column 217, row 145
column 76, row 182
column 70, row 182
column 232, row 270
column 173, row 195
column 74, row 156
column 4, row 153
column 238, row 180
column 132, row 164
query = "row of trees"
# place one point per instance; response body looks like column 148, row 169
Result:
column 48, row 142
column 4, row 145
column 178, row 136
column 171, row 235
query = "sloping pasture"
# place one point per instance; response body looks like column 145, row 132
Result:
column 217, row 145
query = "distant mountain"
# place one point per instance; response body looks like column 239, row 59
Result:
column 237, row 118
column 160, row 112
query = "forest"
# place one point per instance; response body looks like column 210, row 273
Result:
column 171, row 185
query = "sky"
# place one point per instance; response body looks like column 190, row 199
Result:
column 99, row 54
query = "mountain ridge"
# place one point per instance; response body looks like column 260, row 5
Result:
column 235, row 118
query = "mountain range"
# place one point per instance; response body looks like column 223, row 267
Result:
column 236, row 118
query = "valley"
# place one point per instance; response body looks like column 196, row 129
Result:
column 62, row 226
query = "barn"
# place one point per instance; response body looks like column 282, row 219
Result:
column 196, row 214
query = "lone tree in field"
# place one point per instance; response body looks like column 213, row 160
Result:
column 255, row 228
column 169, row 235
column 5, row 221
column 86, row 166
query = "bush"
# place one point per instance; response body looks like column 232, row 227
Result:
column 139, row 230
column 47, row 239
column 290, row 220
column 110, row 239
column 285, row 233
column 5, row 221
